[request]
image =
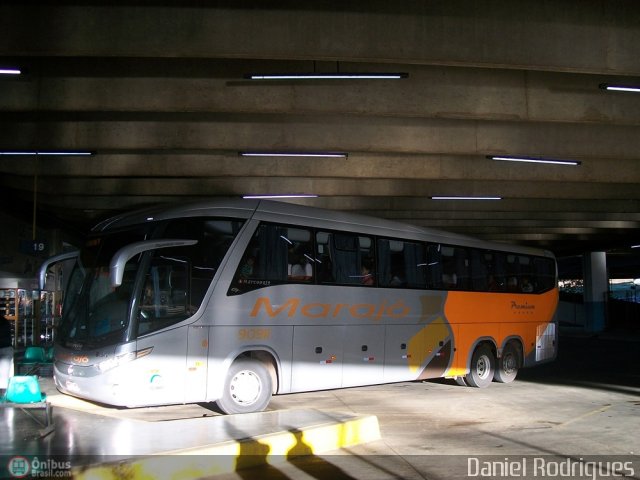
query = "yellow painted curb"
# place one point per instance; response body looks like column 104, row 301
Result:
column 231, row 456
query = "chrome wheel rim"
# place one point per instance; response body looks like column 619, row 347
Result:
column 483, row 367
column 245, row 387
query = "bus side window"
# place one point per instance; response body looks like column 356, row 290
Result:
column 415, row 260
column 497, row 272
column 434, row 266
column 300, row 262
column 344, row 252
column 346, row 258
column 324, row 264
column 544, row 272
column 463, row 268
column 513, row 273
column 480, row 279
column 264, row 262
column 401, row 264
column 525, row 279
column 390, row 269
column 368, row 271
column 449, row 268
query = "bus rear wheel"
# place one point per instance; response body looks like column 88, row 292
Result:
column 508, row 364
column 247, row 387
column 482, row 367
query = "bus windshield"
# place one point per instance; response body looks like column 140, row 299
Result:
column 93, row 311
column 159, row 287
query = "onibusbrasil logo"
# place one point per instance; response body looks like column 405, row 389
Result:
column 22, row 467
column 19, row 467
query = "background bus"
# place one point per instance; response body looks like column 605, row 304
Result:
column 233, row 301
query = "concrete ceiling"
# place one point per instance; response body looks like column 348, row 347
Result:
column 157, row 90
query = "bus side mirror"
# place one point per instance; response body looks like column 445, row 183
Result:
column 42, row 273
column 122, row 256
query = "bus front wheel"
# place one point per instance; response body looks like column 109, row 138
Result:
column 247, row 387
column 508, row 364
column 482, row 367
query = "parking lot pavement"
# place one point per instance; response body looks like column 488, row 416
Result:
column 581, row 408
column 584, row 406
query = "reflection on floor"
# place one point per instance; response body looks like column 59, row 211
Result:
column 88, row 434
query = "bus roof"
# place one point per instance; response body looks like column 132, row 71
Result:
column 268, row 210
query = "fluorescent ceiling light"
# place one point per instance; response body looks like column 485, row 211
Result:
column 552, row 161
column 46, row 152
column 635, row 246
column 326, row 76
column 286, row 195
column 465, row 198
column 10, row 71
column 620, row 88
column 295, row 154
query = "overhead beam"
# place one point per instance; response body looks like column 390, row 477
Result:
column 161, row 85
column 593, row 36
column 326, row 186
column 358, row 164
column 343, row 133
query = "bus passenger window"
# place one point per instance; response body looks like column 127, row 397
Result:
column 544, row 272
column 275, row 255
column 324, row 266
column 246, row 267
column 449, row 268
column 264, row 262
column 455, row 268
column 434, row 266
column 401, row 264
column 480, row 267
column 366, row 273
column 345, row 259
column 300, row 261
column 526, row 285
column 367, row 261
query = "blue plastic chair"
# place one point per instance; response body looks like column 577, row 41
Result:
column 23, row 392
column 24, row 389
column 33, row 358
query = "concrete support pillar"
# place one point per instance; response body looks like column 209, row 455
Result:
column 596, row 287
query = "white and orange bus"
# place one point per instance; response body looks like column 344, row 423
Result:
column 232, row 301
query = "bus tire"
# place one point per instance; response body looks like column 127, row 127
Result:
column 482, row 367
column 508, row 364
column 461, row 381
column 247, row 387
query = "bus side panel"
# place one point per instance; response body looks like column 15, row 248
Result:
column 363, row 359
column 468, row 335
column 497, row 316
column 436, row 343
column 317, row 357
column 323, row 317
column 546, row 344
column 429, row 351
column 226, row 343
column 196, row 374
column 159, row 377
column 524, row 333
column 400, row 364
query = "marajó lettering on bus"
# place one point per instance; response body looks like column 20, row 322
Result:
column 294, row 306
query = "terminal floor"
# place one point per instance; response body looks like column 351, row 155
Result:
column 586, row 403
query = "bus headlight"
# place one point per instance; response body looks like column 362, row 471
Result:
column 108, row 364
column 114, row 362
